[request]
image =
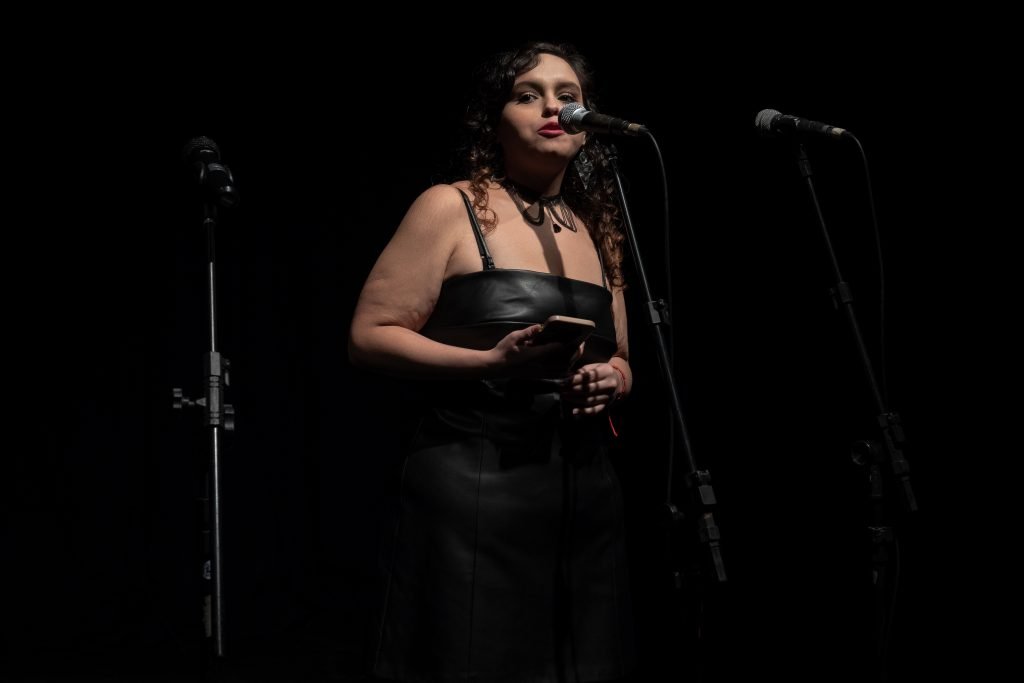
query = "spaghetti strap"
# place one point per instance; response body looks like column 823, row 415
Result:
column 485, row 255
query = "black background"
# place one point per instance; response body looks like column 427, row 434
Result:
column 330, row 139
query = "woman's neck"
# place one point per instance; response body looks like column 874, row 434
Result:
column 538, row 185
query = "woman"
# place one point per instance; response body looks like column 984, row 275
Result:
column 506, row 560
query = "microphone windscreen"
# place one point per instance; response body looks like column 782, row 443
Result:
column 198, row 146
column 570, row 116
column 764, row 119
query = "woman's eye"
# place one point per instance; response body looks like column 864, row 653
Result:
column 526, row 97
column 567, row 97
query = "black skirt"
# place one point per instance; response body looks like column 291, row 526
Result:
column 506, row 559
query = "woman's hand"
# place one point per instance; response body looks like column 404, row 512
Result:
column 593, row 387
column 516, row 356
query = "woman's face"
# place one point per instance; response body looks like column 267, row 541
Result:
column 529, row 132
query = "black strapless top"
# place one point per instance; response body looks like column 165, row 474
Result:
column 476, row 310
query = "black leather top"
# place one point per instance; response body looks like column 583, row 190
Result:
column 477, row 310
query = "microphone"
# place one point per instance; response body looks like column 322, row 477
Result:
column 575, row 119
column 203, row 155
column 771, row 122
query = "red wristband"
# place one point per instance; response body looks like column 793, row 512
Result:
column 622, row 389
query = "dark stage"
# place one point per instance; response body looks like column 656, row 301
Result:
column 329, row 146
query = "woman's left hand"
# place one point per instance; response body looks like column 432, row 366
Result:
column 592, row 388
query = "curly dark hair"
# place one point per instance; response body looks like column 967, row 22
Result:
column 484, row 162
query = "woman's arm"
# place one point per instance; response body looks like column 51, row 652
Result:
column 621, row 357
column 401, row 292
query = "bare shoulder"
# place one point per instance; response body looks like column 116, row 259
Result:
column 436, row 206
column 429, row 219
column 467, row 189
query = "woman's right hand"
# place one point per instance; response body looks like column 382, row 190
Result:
column 516, row 356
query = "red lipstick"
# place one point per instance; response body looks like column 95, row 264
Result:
column 551, row 129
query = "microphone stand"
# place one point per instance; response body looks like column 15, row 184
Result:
column 868, row 453
column 697, row 510
column 217, row 415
